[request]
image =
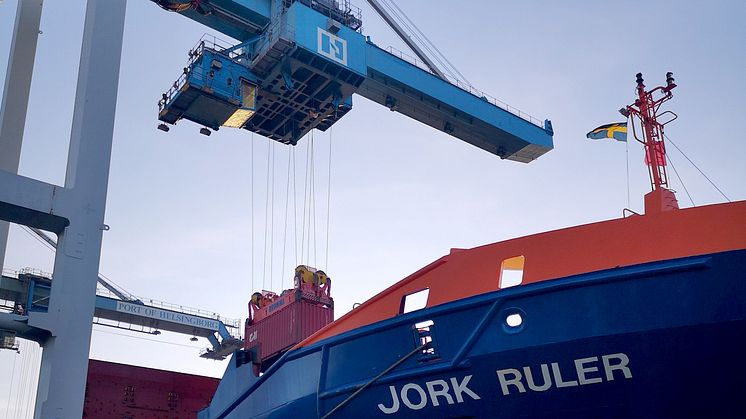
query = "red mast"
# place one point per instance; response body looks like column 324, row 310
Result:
column 646, row 109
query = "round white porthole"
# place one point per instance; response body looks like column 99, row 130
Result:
column 513, row 320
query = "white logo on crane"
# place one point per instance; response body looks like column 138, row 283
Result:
column 332, row 46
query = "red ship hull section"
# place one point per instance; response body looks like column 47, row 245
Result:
column 126, row 391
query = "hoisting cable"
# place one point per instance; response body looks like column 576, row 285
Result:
column 309, row 206
column 285, row 228
column 272, row 220
column 33, row 377
column 328, row 201
column 10, row 390
column 305, row 202
column 23, row 377
column 295, row 210
column 376, row 378
column 251, row 228
column 266, row 216
column 19, row 387
column 676, row 172
column 696, row 167
column 313, row 201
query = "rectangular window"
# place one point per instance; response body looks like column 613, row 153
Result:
column 511, row 272
column 414, row 301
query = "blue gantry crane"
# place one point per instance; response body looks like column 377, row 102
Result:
column 28, row 291
column 297, row 64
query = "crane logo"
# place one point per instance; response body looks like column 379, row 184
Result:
column 332, row 46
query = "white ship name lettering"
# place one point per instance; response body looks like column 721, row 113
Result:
column 414, row 397
column 586, row 372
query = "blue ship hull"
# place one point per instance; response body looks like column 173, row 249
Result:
column 663, row 339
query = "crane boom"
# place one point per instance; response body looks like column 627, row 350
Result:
column 300, row 70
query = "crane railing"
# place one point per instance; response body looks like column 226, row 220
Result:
column 342, row 11
column 228, row 322
column 103, row 292
column 32, row 271
column 207, row 41
column 467, row 88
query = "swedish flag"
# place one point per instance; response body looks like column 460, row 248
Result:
column 617, row 131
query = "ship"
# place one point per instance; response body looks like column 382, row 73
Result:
column 637, row 316
column 642, row 316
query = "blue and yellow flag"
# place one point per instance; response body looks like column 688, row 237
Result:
column 617, row 131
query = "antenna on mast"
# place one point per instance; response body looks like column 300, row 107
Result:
column 645, row 108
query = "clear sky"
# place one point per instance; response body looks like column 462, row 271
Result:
column 402, row 194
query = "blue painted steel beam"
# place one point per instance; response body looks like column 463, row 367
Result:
column 239, row 19
column 421, row 95
column 306, row 65
column 34, row 291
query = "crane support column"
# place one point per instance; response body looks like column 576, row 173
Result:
column 16, row 94
column 72, row 300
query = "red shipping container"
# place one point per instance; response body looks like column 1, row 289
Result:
column 289, row 320
column 126, row 391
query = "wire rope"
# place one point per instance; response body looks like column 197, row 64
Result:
column 23, row 378
column 312, row 214
column 697, row 167
column 626, row 154
column 328, row 200
column 425, row 43
column 305, row 202
column 33, row 373
column 285, row 227
column 39, row 239
column 676, row 172
column 435, row 48
column 148, row 339
column 10, row 390
column 251, row 211
column 272, row 219
column 416, row 37
column 266, row 217
column 295, row 210
column 422, row 43
column 26, row 378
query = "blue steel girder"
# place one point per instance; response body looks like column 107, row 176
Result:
column 308, row 62
column 239, row 19
column 29, row 293
column 408, row 89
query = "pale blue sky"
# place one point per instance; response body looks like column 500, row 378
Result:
column 402, row 193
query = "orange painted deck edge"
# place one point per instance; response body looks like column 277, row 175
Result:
column 559, row 253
